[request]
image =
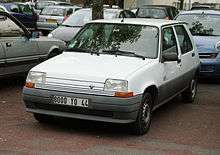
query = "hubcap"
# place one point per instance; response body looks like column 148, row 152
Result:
column 146, row 113
column 193, row 88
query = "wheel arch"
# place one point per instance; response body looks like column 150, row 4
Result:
column 153, row 90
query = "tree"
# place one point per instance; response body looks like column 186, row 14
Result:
column 181, row 4
column 97, row 9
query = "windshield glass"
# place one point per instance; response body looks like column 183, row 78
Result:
column 202, row 24
column 137, row 39
column 151, row 13
column 81, row 17
column 53, row 11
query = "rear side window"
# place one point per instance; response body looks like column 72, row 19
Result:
column 183, row 39
column 169, row 41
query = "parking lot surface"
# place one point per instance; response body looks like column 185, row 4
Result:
column 177, row 129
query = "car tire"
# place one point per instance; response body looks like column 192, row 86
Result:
column 53, row 54
column 42, row 118
column 143, row 122
column 189, row 94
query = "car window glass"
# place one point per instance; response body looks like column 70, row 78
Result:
column 183, row 39
column 151, row 13
column 139, row 39
column 202, row 24
column 25, row 9
column 53, row 11
column 169, row 41
column 9, row 28
column 14, row 8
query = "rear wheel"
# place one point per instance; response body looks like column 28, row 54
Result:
column 142, row 124
column 190, row 93
column 42, row 118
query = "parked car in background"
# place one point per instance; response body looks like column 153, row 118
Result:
column 67, row 30
column 116, row 71
column 19, row 50
column 157, row 11
column 23, row 12
column 39, row 6
column 205, row 27
column 51, row 16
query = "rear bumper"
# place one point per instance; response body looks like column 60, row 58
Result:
column 210, row 68
column 101, row 108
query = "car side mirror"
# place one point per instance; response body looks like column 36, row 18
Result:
column 171, row 56
column 35, row 34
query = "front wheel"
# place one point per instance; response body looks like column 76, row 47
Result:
column 142, row 124
column 42, row 118
column 190, row 93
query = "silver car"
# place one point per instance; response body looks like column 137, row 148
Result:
column 67, row 30
column 20, row 50
column 52, row 16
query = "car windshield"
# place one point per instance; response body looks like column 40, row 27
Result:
column 151, row 13
column 81, row 17
column 202, row 24
column 53, row 11
column 124, row 39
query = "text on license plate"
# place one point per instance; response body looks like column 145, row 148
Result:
column 70, row 101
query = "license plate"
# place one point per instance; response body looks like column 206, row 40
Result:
column 77, row 102
column 51, row 21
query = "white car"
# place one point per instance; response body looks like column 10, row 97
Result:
column 118, row 71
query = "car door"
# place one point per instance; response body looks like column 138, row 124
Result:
column 20, row 51
column 172, row 69
column 2, row 59
column 188, row 55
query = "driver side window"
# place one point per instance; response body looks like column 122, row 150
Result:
column 169, row 41
column 9, row 28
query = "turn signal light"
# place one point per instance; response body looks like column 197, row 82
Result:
column 29, row 85
column 124, row 94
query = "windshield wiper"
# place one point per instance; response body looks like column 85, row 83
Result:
column 81, row 50
column 120, row 52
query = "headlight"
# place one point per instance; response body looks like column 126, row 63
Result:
column 120, row 87
column 218, row 46
column 50, row 35
column 35, row 79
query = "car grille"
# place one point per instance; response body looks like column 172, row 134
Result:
column 76, row 86
column 208, row 55
column 76, row 110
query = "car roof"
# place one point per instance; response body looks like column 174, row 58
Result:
column 139, row 21
column 158, row 6
column 62, row 6
column 214, row 12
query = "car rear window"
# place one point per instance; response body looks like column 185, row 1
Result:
column 151, row 13
column 53, row 11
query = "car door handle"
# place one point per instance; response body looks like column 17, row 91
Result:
column 193, row 54
column 8, row 44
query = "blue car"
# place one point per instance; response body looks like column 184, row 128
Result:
column 205, row 28
column 23, row 12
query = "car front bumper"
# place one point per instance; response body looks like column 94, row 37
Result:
column 101, row 108
column 210, row 68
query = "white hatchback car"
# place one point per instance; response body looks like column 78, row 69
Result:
column 118, row 71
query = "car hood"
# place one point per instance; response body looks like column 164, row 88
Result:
column 90, row 67
column 65, row 33
column 206, row 44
